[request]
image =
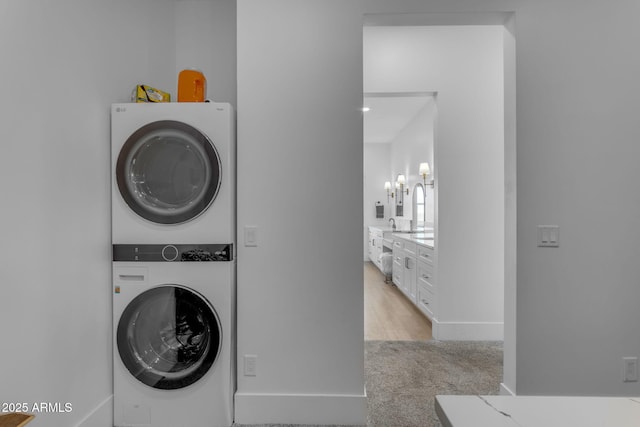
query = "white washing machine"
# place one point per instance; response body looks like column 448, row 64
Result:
column 173, row 173
column 173, row 340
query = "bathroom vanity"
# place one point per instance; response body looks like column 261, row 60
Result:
column 413, row 269
column 413, row 263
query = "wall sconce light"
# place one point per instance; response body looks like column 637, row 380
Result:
column 387, row 186
column 425, row 172
column 400, row 182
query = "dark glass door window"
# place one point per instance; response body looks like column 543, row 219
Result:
column 168, row 172
column 168, row 337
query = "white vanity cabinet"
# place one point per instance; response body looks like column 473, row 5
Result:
column 410, row 271
column 425, row 255
column 398, row 263
column 413, row 272
column 375, row 246
column 379, row 242
column 426, row 285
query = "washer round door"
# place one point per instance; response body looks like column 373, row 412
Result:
column 168, row 172
column 168, row 337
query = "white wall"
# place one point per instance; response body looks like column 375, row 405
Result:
column 377, row 170
column 63, row 64
column 575, row 312
column 205, row 39
column 577, row 304
column 412, row 146
column 300, row 291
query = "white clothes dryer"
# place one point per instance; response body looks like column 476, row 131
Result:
column 173, row 173
column 173, row 340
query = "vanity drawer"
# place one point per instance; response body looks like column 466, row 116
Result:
column 410, row 249
column 425, row 255
column 426, row 301
column 425, row 276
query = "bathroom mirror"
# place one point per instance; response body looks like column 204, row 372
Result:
column 418, row 205
column 399, row 202
column 400, row 190
column 399, row 210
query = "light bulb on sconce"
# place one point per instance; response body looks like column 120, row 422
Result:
column 400, row 182
column 425, row 172
column 387, row 186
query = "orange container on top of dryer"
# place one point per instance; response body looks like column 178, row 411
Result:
column 192, row 86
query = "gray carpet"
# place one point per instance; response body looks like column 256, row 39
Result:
column 403, row 378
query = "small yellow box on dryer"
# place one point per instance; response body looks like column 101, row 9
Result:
column 144, row 93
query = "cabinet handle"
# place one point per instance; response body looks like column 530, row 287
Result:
column 425, row 276
column 425, row 302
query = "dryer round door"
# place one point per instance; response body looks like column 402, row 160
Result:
column 168, row 337
column 168, row 172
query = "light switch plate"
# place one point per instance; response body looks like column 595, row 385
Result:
column 250, row 235
column 630, row 369
column 549, row 236
column 250, row 362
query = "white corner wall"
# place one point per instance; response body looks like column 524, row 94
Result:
column 300, row 291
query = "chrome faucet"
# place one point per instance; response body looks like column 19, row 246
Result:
column 394, row 223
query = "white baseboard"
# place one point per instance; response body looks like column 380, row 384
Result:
column 327, row 409
column 505, row 391
column 468, row 331
column 101, row 416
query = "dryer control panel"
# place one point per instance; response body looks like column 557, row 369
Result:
column 173, row 253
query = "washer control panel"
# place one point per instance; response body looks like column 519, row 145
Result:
column 174, row 253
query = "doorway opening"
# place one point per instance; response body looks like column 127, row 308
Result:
column 470, row 64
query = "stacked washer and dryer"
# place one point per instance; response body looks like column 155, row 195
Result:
column 173, row 235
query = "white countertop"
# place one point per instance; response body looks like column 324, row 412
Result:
column 382, row 228
column 421, row 238
column 537, row 411
column 396, row 230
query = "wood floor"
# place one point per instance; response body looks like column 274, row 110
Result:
column 388, row 314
